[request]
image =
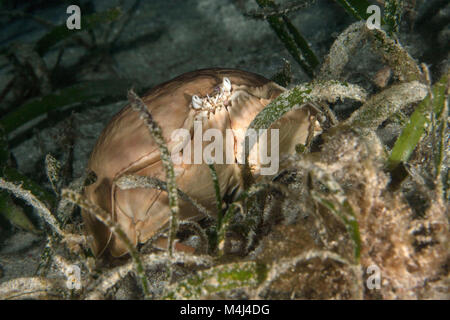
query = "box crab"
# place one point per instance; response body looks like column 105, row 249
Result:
column 219, row 98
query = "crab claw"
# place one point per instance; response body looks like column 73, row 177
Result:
column 226, row 85
column 197, row 102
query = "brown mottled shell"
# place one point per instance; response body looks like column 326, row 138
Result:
column 126, row 147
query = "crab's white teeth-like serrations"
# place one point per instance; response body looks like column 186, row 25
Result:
column 226, row 85
column 197, row 102
column 218, row 99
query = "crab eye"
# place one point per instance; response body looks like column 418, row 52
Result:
column 197, row 103
column 226, row 84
